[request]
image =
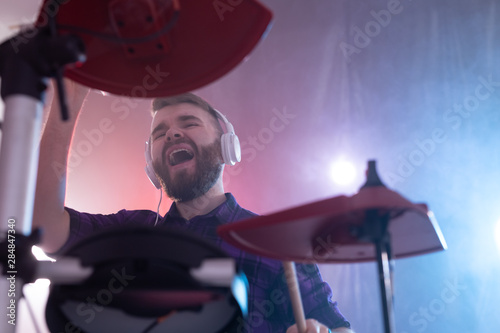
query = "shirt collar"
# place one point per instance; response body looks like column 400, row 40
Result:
column 223, row 213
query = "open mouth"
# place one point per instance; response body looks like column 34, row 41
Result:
column 179, row 156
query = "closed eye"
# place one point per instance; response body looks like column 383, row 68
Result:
column 189, row 121
column 159, row 135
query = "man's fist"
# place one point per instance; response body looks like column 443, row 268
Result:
column 312, row 326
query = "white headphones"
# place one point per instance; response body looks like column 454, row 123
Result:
column 230, row 149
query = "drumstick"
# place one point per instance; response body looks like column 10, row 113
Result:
column 293, row 289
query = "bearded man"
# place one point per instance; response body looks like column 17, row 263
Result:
column 186, row 159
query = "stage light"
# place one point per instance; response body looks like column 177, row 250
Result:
column 342, row 172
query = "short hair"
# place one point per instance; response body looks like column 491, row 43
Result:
column 190, row 98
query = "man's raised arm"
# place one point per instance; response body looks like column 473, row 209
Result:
column 49, row 212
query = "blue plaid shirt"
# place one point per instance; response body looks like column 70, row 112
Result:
column 269, row 308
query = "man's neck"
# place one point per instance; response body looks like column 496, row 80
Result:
column 203, row 204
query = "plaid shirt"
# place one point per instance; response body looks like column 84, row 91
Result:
column 269, row 304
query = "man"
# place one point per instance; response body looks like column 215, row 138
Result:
column 186, row 157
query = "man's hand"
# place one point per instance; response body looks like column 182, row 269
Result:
column 312, row 326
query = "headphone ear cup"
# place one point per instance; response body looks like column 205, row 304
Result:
column 150, row 172
column 230, row 144
column 231, row 150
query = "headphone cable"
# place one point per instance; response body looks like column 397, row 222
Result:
column 158, row 208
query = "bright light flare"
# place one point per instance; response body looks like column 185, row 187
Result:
column 41, row 284
column 342, row 172
column 36, row 294
column 40, row 255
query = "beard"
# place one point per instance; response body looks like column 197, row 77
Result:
column 187, row 186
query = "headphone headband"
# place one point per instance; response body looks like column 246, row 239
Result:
column 227, row 124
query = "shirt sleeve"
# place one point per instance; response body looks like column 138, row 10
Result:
column 83, row 225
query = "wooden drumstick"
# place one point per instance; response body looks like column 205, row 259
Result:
column 293, row 289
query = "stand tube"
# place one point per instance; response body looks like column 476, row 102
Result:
column 385, row 282
column 18, row 167
column 375, row 230
column 19, row 161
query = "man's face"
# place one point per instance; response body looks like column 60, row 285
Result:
column 185, row 148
